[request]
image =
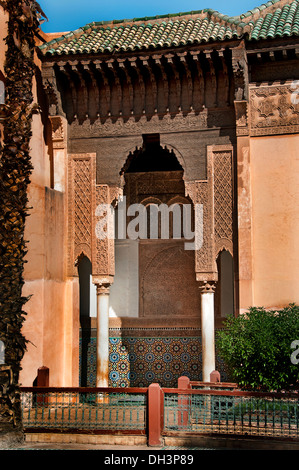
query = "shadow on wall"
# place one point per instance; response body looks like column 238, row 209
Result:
column 84, row 272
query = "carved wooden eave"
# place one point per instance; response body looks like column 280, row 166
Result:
column 169, row 81
column 274, row 49
column 273, row 60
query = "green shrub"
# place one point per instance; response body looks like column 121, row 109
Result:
column 256, row 347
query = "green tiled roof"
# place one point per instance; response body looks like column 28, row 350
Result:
column 276, row 18
column 283, row 22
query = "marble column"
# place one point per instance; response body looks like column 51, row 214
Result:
column 102, row 335
column 207, row 329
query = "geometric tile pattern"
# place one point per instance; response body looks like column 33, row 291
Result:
column 142, row 361
column 138, row 362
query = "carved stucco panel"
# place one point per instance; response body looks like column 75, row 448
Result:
column 216, row 195
column 103, row 253
column 223, row 201
column 84, row 196
column 273, row 110
column 201, row 192
column 81, row 199
column 144, row 125
column 167, row 282
column 59, row 132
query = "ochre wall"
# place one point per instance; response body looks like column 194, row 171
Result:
column 50, row 325
column 275, row 220
column 45, row 283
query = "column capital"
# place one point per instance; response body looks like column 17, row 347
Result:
column 207, row 287
column 103, row 289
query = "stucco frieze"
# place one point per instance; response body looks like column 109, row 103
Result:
column 206, row 119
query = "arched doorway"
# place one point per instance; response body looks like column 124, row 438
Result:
column 155, row 294
column 154, row 266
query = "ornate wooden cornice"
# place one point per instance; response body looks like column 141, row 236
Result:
column 157, row 83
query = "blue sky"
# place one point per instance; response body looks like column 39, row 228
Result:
column 67, row 15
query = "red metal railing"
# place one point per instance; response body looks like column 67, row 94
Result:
column 194, row 408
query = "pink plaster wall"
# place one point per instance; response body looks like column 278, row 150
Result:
column 45, row 282
column 51, row 325
column 275, row 220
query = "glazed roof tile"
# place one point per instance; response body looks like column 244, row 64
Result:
column 276, row 18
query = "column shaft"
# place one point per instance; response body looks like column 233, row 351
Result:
column 102, row 336
column 207, row 331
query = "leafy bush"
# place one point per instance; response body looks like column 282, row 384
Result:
column 256, row 347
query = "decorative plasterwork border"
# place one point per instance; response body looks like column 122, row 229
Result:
column 207, row 119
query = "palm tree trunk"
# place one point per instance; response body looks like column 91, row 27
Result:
column 15, row 171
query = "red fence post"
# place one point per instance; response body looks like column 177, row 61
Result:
column 43, row 377
column 155, row 414
column 215, row 376
column 183, row 402
column 42, row 381
column 184, row 382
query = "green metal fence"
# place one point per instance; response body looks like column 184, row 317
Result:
column 84, row 409
column 231, row 412
column 204, row 410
